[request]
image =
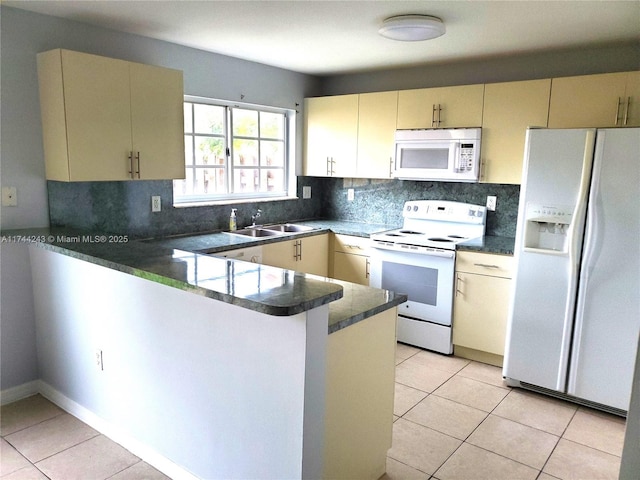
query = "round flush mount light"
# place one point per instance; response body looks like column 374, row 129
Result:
column 412, row 28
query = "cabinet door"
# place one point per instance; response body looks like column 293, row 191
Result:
column 480, row 312
column 459, row 107
column 632, row 94
column 331, row 130
column 280, row 254
column 351, row 268
column 509, row 108
column 314, row 255
column 157, row 112
column 377, row 114
column 587, row 101
column 98, row 116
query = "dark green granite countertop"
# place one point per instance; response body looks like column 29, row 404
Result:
column 262, row 288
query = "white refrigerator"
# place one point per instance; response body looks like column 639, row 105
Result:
column 574, row 316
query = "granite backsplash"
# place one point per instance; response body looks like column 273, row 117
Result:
column 125, row 207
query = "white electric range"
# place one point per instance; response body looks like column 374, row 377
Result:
column 419, row 260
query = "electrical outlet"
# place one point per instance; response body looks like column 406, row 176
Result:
column 98, row 359
column 492, row 200
column 156, row 203
column 351, row 194
column 9, row 197
column 306, row 192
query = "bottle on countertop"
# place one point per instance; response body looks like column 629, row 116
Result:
column 233, row 224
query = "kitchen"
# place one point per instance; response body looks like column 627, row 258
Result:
column 26, row 34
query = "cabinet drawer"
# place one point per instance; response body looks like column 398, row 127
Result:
column 484, row 264
column 352, row 244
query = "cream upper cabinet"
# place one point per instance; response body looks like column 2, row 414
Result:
column 445, row 107
column 307, row 254
column 108, row 119
column 509, row 108
column 481, row 303
column 377, row 114
column 331, row 136
column 603, row 100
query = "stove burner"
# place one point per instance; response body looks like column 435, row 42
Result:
column 393, row 235
column 456, row 236
column 438, row 239
column 410, row 232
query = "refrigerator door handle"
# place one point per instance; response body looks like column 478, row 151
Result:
column 574, row 237
column 588, row 254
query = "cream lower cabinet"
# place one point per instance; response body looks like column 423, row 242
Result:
column 603, row 100
column 350, row 259
column 109, row 119
column 306, row 254
column 480, row 306
column 441, row 107
column 509, row 108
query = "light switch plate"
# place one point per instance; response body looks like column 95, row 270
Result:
column 492, row 200
column 156, row 203
column 306, row 192
column 351, row 194
column 9, row 197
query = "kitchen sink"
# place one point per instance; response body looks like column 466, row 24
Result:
column 289, row 228
column 255, row 232
column 272, row 230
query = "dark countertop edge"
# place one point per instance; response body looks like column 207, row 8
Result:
column 344, row 323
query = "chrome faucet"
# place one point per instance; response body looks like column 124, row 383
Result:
column 254, row 217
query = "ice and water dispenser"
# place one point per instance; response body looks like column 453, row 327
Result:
column 547, row 228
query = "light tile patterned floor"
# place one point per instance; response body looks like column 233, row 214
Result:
column 454, row 420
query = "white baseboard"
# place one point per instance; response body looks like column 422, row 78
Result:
column 10, row 395
column 109, row 430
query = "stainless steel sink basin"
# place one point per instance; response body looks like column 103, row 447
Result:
column 289, row 228
column 256, row 232
column 272, row 230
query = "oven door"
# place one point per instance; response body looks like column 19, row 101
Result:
column 427, row 280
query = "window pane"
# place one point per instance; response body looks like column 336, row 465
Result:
column 271, row 154
column 271, row 125
column 188, row 150
column 245, row 152
column 272, row 180
column 184, row 187
column 210, row 180
column 245, row 123
column 246, row 180
column 209, row 119
column 210, row 151
column 188, row 123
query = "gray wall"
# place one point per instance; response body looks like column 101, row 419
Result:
column 581, row 61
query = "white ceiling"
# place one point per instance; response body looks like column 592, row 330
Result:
column 331, row 37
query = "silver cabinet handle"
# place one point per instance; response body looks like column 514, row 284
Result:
column 485, row 265
column 433, row 116
column 366, row 269
column 390, row 167
column 618, row 110
column 626, row 111
column 439, row 110
column 458, row 281
column 138, row 160
column 130, row 157
column 328, row 168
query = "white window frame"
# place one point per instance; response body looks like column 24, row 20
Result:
column 244, row 197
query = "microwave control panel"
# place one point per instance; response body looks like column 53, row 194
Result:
column 465, row 160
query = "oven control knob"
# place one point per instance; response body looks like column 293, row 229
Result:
column 415, row 208
column 408, row 208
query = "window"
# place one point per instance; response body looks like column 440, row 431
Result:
column 234, row 152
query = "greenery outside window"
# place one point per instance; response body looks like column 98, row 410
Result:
column 235, row 152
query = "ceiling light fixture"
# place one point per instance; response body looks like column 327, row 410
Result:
column 412, row 28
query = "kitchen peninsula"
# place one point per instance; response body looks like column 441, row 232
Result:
column 214, row 368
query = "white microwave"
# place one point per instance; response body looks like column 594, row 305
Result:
column 451, row 155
